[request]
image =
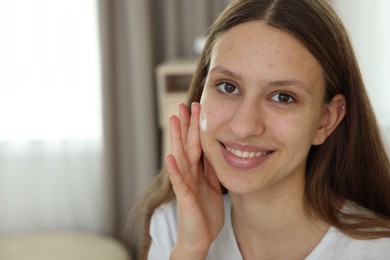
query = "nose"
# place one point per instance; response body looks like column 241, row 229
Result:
column 248, row 120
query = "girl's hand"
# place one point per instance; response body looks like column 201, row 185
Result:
column 196, row 186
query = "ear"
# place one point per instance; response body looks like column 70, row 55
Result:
column 333, row 113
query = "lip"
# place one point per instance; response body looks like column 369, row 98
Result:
column 244, row 163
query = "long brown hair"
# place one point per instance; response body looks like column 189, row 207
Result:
column 352, row 164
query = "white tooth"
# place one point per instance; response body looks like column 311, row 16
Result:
column 246, row 155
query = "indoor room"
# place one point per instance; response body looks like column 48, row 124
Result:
column 86, row 90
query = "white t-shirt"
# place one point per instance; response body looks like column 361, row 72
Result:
column 334, row 245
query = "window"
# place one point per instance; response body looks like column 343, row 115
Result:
column 50, row 114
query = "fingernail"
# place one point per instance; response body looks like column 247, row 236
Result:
column 182, row 108
column 170, row 119
column 193, row 105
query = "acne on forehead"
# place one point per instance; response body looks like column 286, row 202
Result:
column 246, row 33
column 275, row 48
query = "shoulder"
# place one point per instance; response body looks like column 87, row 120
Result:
column 164, row 219
column 165, row 211
column 163, row 231
column 166, row 215
column 337, row 245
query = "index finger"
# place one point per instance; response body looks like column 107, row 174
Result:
column 193, row 139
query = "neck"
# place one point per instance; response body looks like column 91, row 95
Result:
column 269, row 210
column 270, row 225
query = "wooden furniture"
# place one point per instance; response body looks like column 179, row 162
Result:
column 173, row 80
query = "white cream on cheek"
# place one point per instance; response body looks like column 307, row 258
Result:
column 203, row 122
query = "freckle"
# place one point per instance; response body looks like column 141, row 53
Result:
column 270, row 66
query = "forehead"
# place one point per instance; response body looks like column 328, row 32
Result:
column 256, row 48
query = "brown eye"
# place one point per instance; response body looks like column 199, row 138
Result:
column 227, row 88
column 282, row 98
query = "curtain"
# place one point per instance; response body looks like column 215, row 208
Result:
column 177, row 23
column 50, row 185
column 51, row 167
column 129, row 116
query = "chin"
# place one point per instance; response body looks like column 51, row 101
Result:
column 241, row 183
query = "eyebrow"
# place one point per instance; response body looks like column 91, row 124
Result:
column 292, row 82
column 286, row 82
column 229, row 73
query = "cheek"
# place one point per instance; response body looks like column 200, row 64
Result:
column 211, row 118
column 296, row 131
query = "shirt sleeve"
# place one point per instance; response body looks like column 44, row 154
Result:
column 163, row 231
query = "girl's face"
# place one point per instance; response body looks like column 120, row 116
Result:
column 262, row 108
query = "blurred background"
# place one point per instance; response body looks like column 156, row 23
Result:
column 83, row 92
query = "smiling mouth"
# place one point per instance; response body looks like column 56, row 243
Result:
column 246, row 154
